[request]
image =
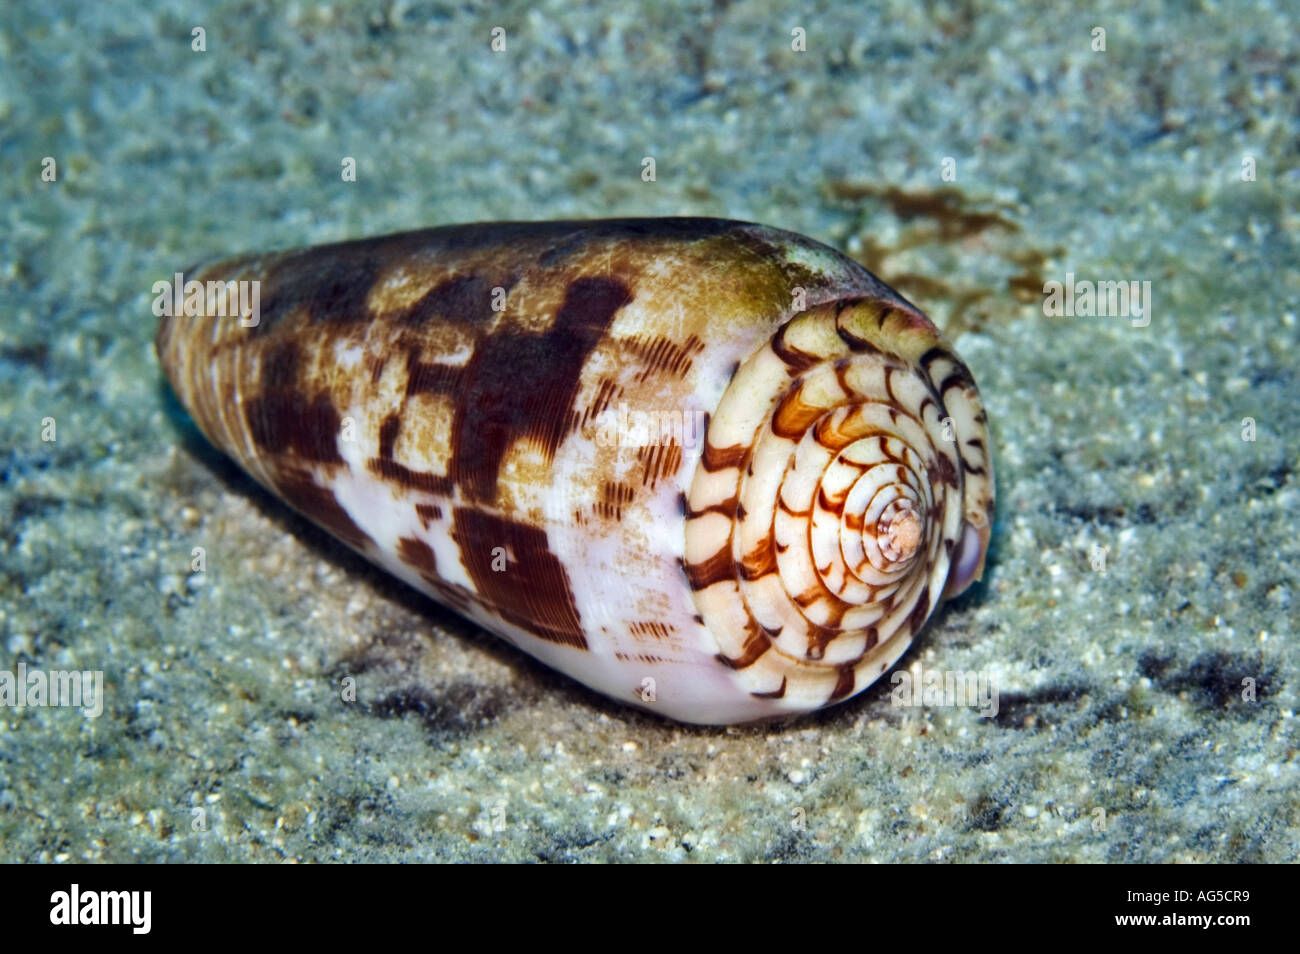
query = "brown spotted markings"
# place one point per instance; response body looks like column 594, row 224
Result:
column 453, row 403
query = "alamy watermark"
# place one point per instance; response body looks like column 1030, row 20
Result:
column 946, row 688
column 1087, row 299
column 214, row 299
column 652, row 428
column 64, row 688
column 130, row 908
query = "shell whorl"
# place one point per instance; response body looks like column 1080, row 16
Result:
column 841, row 472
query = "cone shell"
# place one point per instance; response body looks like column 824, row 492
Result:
column 708, row 468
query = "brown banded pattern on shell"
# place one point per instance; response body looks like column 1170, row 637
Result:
column 831, row 498
column 512, row 417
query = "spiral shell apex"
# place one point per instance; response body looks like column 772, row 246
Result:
column 831, row 498
column 708, row 468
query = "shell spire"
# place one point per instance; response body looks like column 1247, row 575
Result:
column 709, row 468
